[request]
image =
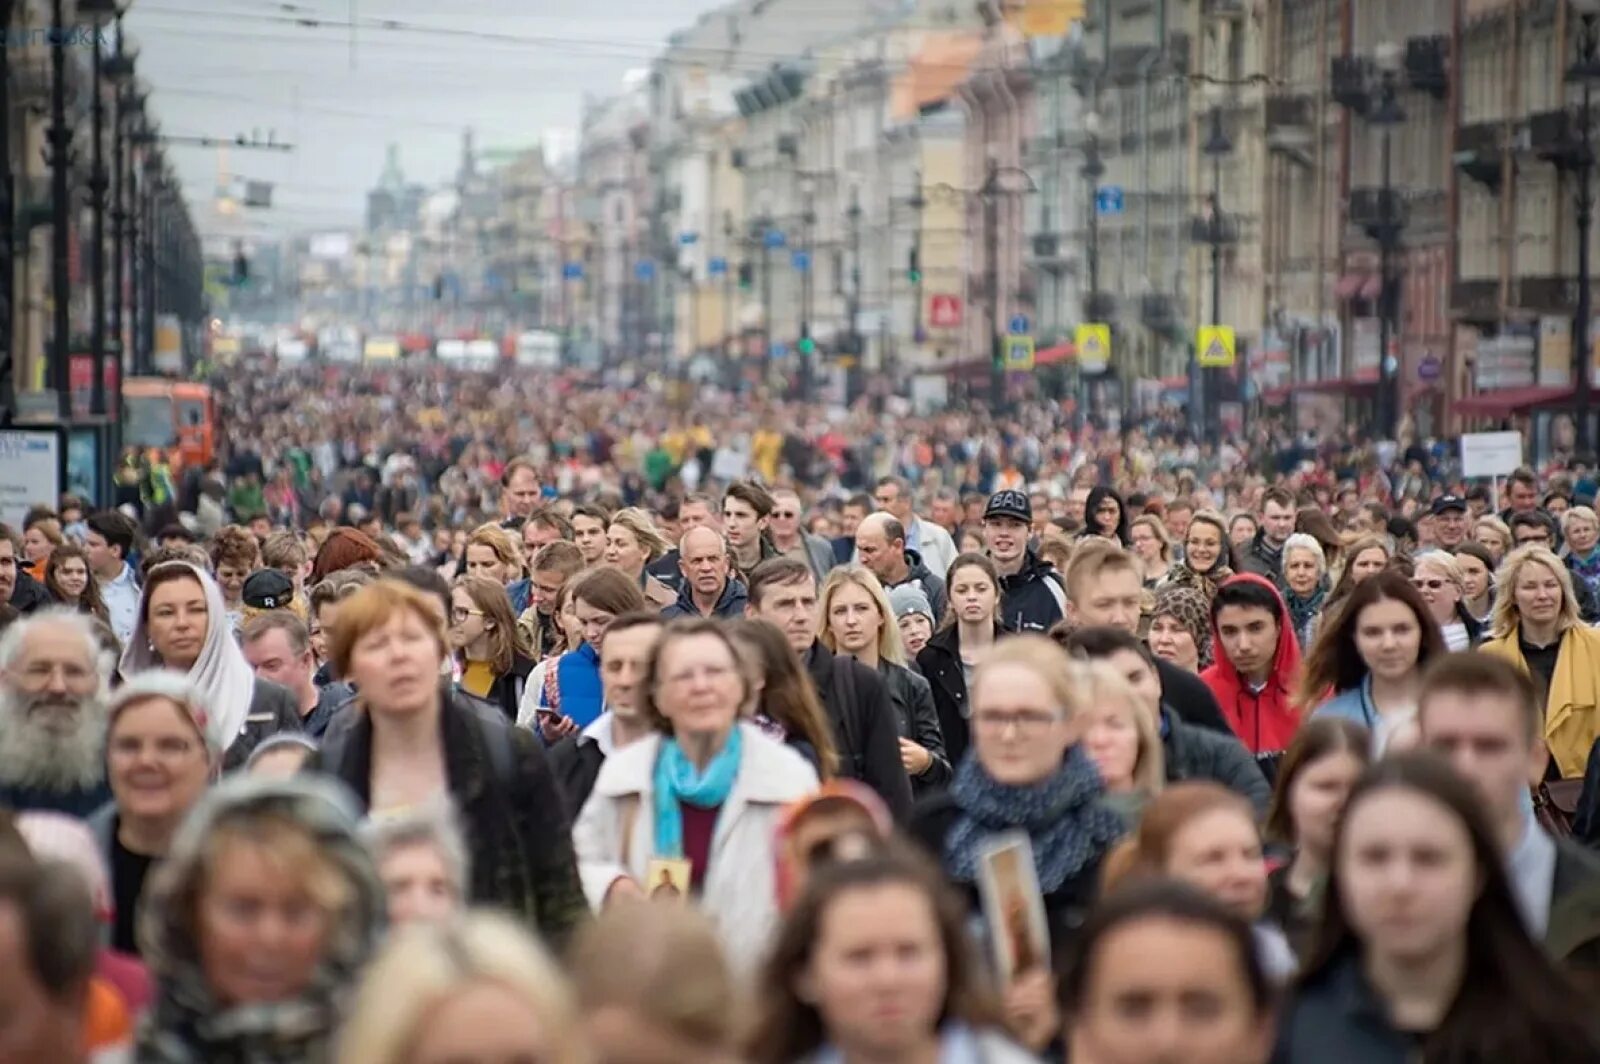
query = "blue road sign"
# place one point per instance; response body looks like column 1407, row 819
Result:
column 572, row 271
column 1108, row 199
column 776, row 239
column 644, row 270
column 801, row 260
column 1019, row 324
column 688, row 239
column 779, row 350
column 717, row 267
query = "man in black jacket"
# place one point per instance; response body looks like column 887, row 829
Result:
column 784, row 592
column 1264, row 554
column 17, row 589
column 1189, row 751
column 1032, row 598
column 707, row 588
column 1104, row 589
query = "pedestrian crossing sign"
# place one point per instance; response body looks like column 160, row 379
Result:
column 1019, row 354
column 1215, row 346
column 1093, row 342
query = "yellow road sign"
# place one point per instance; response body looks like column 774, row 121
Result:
column 1215, row 346
column 1093, row 342
column 1047, row 18
column 1019, row 353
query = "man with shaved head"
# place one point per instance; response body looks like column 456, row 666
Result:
column 708, row 589
column 53, row 687
column 881, row 547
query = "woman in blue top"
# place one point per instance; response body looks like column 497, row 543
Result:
column 563, row 694
column 1370, row 656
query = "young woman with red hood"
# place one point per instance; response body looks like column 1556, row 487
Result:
column 1258, row 658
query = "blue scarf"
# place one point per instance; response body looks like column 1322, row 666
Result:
column 677, row 780
column 1069, row 828
column 578, row 679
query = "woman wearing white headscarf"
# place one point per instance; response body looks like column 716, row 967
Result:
column 182, row 626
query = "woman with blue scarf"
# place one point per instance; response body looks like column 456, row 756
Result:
column 1025, row 774
column 694, row 809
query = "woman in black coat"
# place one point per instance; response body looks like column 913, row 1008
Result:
column 411, row 739
column 971, row 625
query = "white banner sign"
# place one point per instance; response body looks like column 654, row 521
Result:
column 1490, row 454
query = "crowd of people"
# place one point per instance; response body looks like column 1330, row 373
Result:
column 385, row 741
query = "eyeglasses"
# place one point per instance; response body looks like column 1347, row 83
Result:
column 460, row 613
column 1026, row 721
column 1428, row 585
column 784, row 513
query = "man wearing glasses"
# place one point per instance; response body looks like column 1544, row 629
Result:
column 793, row 541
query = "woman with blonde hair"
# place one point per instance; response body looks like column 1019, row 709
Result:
column 492, row 552
column 1027, row 772
column 480, row 988
column 1151, row 542
column 632, row 543
column 257, row 924
column 1494, row 535
column 493, row 658
column 1364, row 558
column 652, row 984
column 858, row 620
column 1580, row 530
column 1536, row 627
column 1120, row 737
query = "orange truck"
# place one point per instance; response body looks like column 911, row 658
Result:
column 177, row 417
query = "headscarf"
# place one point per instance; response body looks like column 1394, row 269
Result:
column 187, row 1025
column 220, row 675
column 1191, row 609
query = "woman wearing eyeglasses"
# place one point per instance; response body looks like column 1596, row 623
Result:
column 1437, row 576
column 696, row 806
column 1026, row 773
column 489, row 649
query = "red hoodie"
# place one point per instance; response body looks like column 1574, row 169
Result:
column 1265, row 721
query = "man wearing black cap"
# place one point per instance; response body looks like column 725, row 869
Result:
column 1449, row 521
column 1032, row 598
column 268, row 589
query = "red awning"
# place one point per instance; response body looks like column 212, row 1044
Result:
column 1348, row 285
column 1372, row 288
column 1337, row 386
column 1058, row 353
column 1173, row 384
column 1505, row 400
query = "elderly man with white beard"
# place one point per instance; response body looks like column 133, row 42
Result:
column 53, row 688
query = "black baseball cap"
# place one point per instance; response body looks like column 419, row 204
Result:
column 1012, row 504
column 268, row 589
column 1446, row 503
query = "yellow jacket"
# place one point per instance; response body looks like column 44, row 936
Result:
column 1572, row 707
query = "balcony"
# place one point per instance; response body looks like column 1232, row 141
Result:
column 1380, row 212
column 1480, row 153
column 1553, row 137
column 1158, row 312
column 1290, row 122
column 1545, row 295
column 1427, row 65
column 1351, row 82
column 1209, row 229
column 1230, row 10
column 1099, row 306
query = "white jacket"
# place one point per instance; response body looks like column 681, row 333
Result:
column 615, row 836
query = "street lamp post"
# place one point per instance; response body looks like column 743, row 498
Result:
column 1386, row 114
column 808, row 221
column 8, row 399
column 1216, row 147
column 97, row 11
column 119, row 69
column 991, row 257
column 853, row 217
column 1094, row 168
column 1585, row 71
column 60, row 143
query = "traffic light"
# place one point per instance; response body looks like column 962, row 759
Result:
column 914, row 266
column 747, row 275
column 807, row 345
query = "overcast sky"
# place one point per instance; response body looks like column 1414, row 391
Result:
column 516, row 72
